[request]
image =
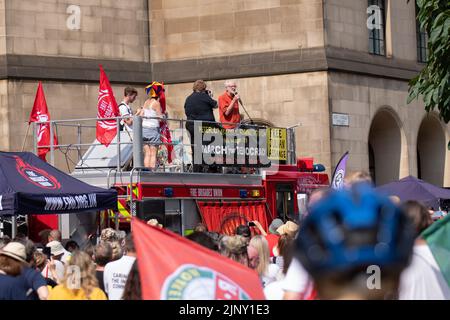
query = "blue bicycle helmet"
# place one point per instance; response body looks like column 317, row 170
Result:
column 354, row 229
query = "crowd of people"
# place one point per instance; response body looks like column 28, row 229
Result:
column 323, row 255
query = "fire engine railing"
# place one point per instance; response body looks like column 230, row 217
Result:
column 76, row 136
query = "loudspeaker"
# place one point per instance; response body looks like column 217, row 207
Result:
column 151, row 209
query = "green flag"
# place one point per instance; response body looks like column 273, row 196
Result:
column 438, row 239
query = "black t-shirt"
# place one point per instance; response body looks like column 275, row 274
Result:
column 11, row 288
column 199, row 106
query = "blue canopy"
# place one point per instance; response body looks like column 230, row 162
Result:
column 411, row 188
column 29, row 185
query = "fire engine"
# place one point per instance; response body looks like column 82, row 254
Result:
column 180, row 200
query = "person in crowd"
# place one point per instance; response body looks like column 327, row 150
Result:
column 151, row 124
column 129, row 96
column 235, row 248
column 356, row 178
column 79, row 282
column 102, row 256
column 230, row 116
column 285, row 248
column 55, row 268
column 4, row 241
column 244, row 231
column 199, row 106
column 155, row 223
column 40, row 261
column 115, row 273
column 109, row 235
column 33, row 281
column 290, row 228
column 43, row 236
column 55, row 235
column 284, row 244
column 132, row 289
column 423, row 279
column 267, row 271
column 12, row 259
column 71, row 246
column 348, row 232
column 253, row 257
column 200, row 227
column 203, row 239
column 117, row 250
column 89, row 249
column 273, row 236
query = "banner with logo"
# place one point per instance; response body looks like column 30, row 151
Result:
column 107, row 108
column 174, row 268
column 246, row 146
column 40, row 114
column 339, row 173
column 31, row 186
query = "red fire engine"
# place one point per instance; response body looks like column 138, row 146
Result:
column 181, row 200
column 222, row 202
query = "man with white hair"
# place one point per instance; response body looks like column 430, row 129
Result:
column 229, row 113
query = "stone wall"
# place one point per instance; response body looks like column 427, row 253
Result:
column 346, row 26
column 284, row 101
column 109, row 29
column 205, row 28
column 362, row 98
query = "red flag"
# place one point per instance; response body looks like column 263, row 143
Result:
column 107, row 108
column 174, row 268
column 39, row 114
column 165, row 132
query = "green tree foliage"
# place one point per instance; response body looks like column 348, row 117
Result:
column 433, row 83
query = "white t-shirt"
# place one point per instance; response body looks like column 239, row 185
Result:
column 298, row 280
column 125, row 110
column 271, row 275
column 115, row 276
column 274, row 291
column 423, row 280
column 66, row 257
column 59, row 268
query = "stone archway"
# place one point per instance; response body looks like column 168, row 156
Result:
column 387, row 148
column 431, row 151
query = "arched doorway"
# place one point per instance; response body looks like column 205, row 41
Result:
column 385, row 148
column 431, row 150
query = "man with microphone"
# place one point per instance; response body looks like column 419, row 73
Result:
column 230, row 116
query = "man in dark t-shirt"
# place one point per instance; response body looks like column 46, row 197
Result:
column 199, row 106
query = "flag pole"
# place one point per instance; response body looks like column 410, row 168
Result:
column 26, row 136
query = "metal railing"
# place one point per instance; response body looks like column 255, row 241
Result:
column 85, row 128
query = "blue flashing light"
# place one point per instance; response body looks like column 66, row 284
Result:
column 168, row 192
column 243, row 193
column 319, row 168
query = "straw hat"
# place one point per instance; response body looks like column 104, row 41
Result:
column 290, row 228
column 15, row 250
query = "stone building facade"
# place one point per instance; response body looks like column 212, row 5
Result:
column 295, row 61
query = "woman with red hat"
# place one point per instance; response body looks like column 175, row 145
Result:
column 151, row 124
